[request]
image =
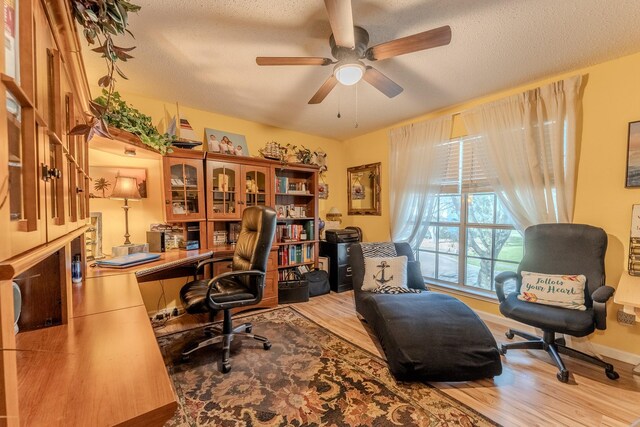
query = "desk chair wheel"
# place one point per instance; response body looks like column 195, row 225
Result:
column 503, row 350
column 248, row 329
column 611, row 374
column 226, row 368
column 509, row 335
column 266, row 345
column 563, row 376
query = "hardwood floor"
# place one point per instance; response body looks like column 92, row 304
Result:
column 526, row 394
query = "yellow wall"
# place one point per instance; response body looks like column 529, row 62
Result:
column 151, row 210
column 611, row 100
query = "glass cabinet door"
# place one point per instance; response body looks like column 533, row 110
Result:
column 255, row 186
column 15, row 185
column 223, row 190
column 185, row 184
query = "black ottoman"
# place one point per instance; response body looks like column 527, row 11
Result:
column 432, row 336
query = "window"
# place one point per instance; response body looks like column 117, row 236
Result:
column 471, row 237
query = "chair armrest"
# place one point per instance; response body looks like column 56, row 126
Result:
column 228, row 274
column 602, row 294
column 209, row 261
column 600, row 297
column 499, row 282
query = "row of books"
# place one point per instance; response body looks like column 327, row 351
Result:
column 295, row 254
column 294, row 232
column 283, row 185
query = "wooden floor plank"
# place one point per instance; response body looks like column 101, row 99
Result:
column 526, row 394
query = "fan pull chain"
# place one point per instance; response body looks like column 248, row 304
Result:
column 339, row 100
column 356, row 85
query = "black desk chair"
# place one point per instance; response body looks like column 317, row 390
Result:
column 560, row 249
column 241, row 287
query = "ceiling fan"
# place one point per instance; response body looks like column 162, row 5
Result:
column 349, row 46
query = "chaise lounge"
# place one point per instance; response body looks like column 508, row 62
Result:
column 425, row 336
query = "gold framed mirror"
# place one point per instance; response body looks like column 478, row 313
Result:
column 363, row 189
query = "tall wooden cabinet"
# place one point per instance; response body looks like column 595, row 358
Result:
column 43, row 173
column 233, row 183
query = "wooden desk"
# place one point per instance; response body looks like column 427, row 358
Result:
column 628, row 296
column 178, row 256
column 101, row 369
column 106, row 293
column 104, row 366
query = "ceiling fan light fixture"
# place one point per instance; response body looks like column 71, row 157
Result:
column 349, row 73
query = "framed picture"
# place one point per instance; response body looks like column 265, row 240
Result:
column 635, row 222
column 104, row 178
column 223, row 142
column 323, row 263
column 633, row 156
column 323, row 190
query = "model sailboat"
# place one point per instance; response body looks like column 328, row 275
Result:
column 181, row 129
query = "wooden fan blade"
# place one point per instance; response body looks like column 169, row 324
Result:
column 421, row 41
column 381, row 82
column 341, row 20
column 292, row 60
column 324, row 90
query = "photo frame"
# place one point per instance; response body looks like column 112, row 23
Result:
column 633, row 156
column 323, row 263
column 635, row 222
column 323, row 190
column 104, row 178
column 223, row 142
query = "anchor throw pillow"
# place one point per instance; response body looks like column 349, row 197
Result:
column 384, row 271
column 562, row 290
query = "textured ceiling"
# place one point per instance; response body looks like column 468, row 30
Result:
column 202, row 53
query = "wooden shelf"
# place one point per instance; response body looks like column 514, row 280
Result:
column 306, row 218
column 282, row 267
column 296, row 194
column 298, row 242
column 123, row 140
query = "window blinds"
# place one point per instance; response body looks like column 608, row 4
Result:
column 466, row 166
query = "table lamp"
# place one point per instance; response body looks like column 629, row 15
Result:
column 334, row 215
column 126, row 188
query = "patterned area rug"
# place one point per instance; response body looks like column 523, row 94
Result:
column 309, row 377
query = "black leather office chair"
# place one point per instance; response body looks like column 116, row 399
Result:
column 560, row 249
column 241, row 287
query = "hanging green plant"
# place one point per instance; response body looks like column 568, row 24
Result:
column 123, row 116
column 102, row 19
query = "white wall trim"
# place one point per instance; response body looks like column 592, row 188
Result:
column 581, row 344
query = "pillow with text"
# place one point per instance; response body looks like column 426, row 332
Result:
column 562, row 290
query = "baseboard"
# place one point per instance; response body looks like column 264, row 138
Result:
column 580, row 344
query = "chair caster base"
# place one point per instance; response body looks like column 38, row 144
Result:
column 503, row 350
column 611, row 374
column 509, row 335
column 226, row 368
column 266, row 345
column 248, row 329
column 563, row 376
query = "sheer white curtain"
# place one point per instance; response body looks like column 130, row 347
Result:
column 530, row 142
column 416, row 164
